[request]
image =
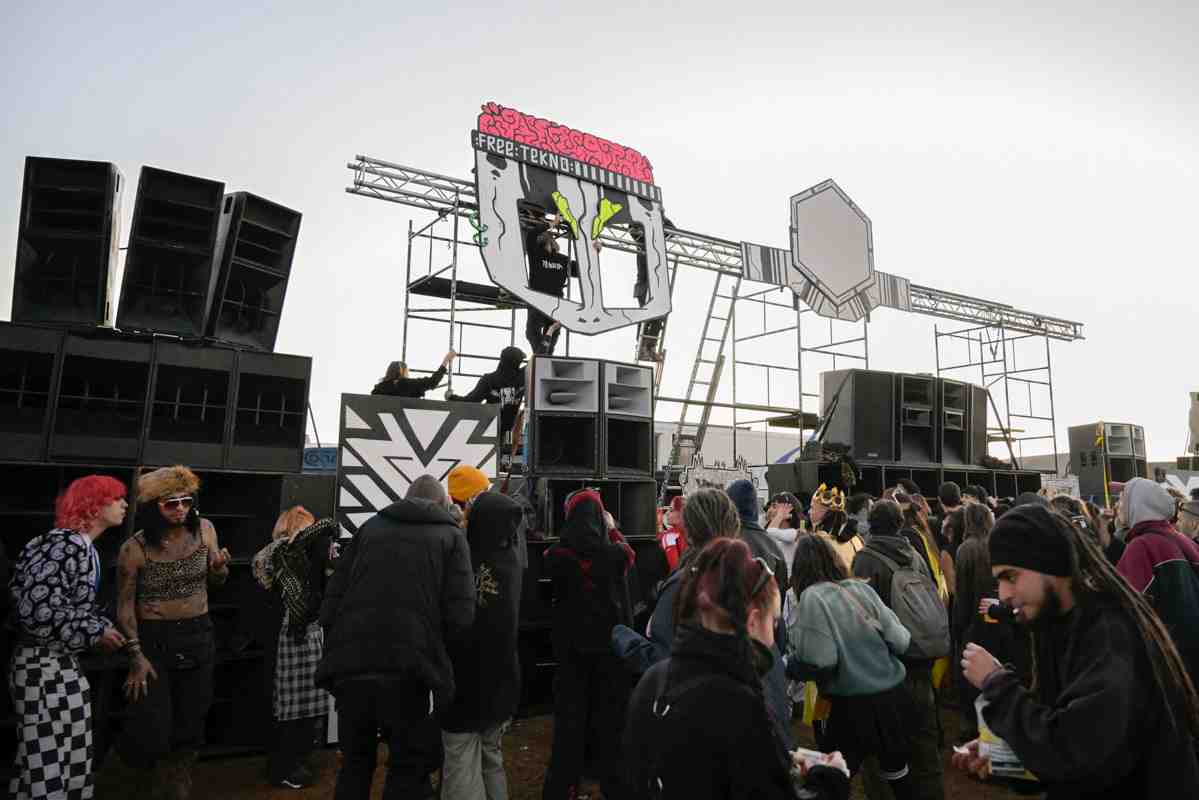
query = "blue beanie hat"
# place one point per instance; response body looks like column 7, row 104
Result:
column 745, row 498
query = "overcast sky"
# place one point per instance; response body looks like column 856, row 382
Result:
column 1040, row 157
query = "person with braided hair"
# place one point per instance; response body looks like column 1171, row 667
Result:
column 1111, row 711
column 698, row 726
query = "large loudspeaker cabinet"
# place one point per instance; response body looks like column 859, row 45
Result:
column 256, row 241
column 101, row 399
column 563, row 398
column 628, row 420
column 271, row 406
column 189, row 407
column 979, row 441
column 1120, row 454
column 67, row 240
column 863, row 416
column 170, row 268
column 29, row 360
column 918, row 425
column 954, row 409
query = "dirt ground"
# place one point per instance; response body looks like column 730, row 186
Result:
column 526, row 753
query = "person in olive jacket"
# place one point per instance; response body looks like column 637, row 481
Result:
column 403, row 588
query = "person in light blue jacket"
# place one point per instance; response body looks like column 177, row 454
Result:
column 844, row 638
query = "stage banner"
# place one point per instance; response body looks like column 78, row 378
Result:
column 537, row 178
column 385, row 443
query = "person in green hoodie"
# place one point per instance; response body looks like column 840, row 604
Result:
column 844, row 638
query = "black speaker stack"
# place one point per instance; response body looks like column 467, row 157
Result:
column 591, row 425
column 901, row 426
column 1114, row 451
column 188, row 375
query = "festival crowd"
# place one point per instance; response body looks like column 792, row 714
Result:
column 1066, row 637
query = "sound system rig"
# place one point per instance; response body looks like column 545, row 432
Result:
column 187, row 376
column 590, row 425
column 1106, row 451
column 894, row 425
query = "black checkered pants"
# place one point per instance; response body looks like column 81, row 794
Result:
column 52, row 698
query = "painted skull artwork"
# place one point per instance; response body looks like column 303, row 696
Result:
column 545, row 188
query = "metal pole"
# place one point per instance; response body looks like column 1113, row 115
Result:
column 407, row 283
column 453, row 286
column 1052, row 413
column 1007, row 397
column 799, row 368
column 733, row 334
column 937, row 347
column 866, row 340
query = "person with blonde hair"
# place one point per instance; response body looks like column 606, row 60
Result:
column 296, row 565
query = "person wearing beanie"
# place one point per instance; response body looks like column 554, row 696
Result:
column 465, row 483
column 1162, row 564
column 589, row 569
column 1113, row 713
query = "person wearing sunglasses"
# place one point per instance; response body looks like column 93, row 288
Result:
column 698, row 725
column 163, row 573
column 1188, row 519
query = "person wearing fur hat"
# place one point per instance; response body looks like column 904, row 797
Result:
column 1111, row 712
column 589, row 569
column 163, row 573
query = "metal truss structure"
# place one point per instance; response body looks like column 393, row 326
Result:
column 998, row 325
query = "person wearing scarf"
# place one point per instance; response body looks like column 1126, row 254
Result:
column 296, row 565
column 1162, row 564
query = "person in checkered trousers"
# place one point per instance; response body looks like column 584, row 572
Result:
column 53, row 590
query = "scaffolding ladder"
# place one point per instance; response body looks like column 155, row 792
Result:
column 726, row 287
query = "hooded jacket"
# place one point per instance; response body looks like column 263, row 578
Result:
column 588, row 568
column 1162, row 564
column 410, row 387
column 402, row 588
column 506, row 385
column 486, row 663
column 714, row 737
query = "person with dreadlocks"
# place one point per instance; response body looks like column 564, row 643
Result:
column 296, row 565
column 589, row 569
column 831, row 523
column 1111, row 711
column 698, row 727
column 707, row 514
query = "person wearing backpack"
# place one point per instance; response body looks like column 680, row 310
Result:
column 902, row 581
column 845, row 639
column 697, row 726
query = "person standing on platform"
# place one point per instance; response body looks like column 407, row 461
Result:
column 402, row 590
column 505, row 386
column 549, row 270
column 53, row 589
column 163, row 574
column 396, row 382
column 1112, row 712
column 589, row 569
column 297, row 564
column 486, row 663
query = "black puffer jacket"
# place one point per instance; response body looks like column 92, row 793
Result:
column 486, row 663
column 402, row 588
column 711, row 735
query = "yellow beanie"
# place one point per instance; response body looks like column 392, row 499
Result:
column 466, row 481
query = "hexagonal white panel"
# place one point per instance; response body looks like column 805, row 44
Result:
column 831, row 241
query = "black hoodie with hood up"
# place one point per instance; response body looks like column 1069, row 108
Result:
column 505, row 386
column 486, row 663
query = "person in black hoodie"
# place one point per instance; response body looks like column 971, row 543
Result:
column 549, row 270
column 402, row 589
column 887, row 543
column 698, row 726
column 589, row 570
column 486, row 664
column 506, row 385
column 396, row 382
column 1112, row 712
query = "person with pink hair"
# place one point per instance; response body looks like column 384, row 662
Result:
column 54, row 587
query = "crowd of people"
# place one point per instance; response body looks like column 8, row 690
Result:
column 1070, row 634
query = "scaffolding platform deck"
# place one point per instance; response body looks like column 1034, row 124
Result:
column 480, row 293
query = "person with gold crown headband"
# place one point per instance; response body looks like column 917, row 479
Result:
column 831, row 523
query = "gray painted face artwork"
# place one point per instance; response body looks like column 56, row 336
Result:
column 502, row 183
